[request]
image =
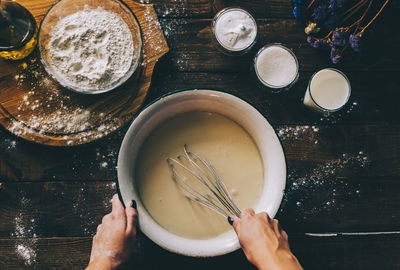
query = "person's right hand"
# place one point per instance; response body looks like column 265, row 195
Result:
column 264, row 243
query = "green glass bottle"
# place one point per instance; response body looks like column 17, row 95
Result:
column 17, row 31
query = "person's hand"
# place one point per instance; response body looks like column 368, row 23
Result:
column 115, row 237
column 264, row 243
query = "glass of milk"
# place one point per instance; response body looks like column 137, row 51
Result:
column 235, row 30
column 328, row 91
column 276, row 67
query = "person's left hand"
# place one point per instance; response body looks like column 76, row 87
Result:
column 115, row 237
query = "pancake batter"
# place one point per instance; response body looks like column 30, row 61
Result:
column 219, row 140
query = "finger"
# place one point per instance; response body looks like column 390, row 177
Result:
column 106, row 218
column 98, row 229
column 285, row 235
column 265, row 217
column 117, row 208
column 131, row 218
column 276, row 227
column 232, row 220
column 247, row 212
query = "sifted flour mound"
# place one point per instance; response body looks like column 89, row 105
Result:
column 90, row 49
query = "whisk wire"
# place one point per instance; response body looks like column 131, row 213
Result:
column 217, row 198
column 215, row 190
column 220, row 184
column 192, row 193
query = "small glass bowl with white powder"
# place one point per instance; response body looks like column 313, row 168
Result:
column 234, row 30
column 276, row 67
column 90, row 47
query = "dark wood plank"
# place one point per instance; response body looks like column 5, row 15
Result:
column 24, row 160
column 318, row 199
column 333, row 204
column 343, row 252
column 373, row 93
column 348, row 252
column 53, row 253
column 306, row 147
column 208, row 8
column 202, row 8
column 193, row 50
column 53, row 209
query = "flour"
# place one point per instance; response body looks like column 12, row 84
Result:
column 325, row 178
column 296, row 132
column 151, row 37
column 25, row 234
column 67, row 118
column 235, row 29
column 27, row 253
column 90, row 49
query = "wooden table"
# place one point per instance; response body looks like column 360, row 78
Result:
column 342, row 203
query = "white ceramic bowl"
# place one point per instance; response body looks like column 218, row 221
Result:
column 211, row 101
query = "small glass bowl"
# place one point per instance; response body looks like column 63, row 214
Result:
column 310, row 102
column 218, row 43
column 262, row 82
column 64, row 8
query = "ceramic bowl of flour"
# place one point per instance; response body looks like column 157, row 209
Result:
column 88, row 46
column 212, row 102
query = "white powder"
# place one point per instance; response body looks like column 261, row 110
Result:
column 276, row 66
column 324, row 178
column 90, row 49
column 298, row 132
column 235, row 29
column 104, row 164
column 27, row 253
column 25, row 234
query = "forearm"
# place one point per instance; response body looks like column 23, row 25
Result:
column 284, row 261
column 100, row 264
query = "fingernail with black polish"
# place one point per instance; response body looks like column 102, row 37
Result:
column 230, row 220
column 133, row 204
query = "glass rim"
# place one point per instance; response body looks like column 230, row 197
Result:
column 28, row 35
column 135, row 64
column 225, row 10
column 316, row 103
column 256, row 69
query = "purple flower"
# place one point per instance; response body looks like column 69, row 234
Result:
column 338, row 38
column 335, row 55
column 355, row 42
column 335, row 5
column 317, row 43
column 321, row 12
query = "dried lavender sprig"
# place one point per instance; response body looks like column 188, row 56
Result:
column 373, row 19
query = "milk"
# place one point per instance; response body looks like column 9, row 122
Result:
column 328, row 91
column 276, row 66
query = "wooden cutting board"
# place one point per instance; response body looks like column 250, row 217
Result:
column 34, row 107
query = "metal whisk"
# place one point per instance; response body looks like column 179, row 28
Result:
column 201, row 183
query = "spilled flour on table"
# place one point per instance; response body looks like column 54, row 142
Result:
column 8, row 144
column 65, row 117
column 338, row 116
column 82, row 201
column 317, row 188
column 174, row 8
column 25, row 246
column 313, row 189
column 152, row 37
column 297, row 132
